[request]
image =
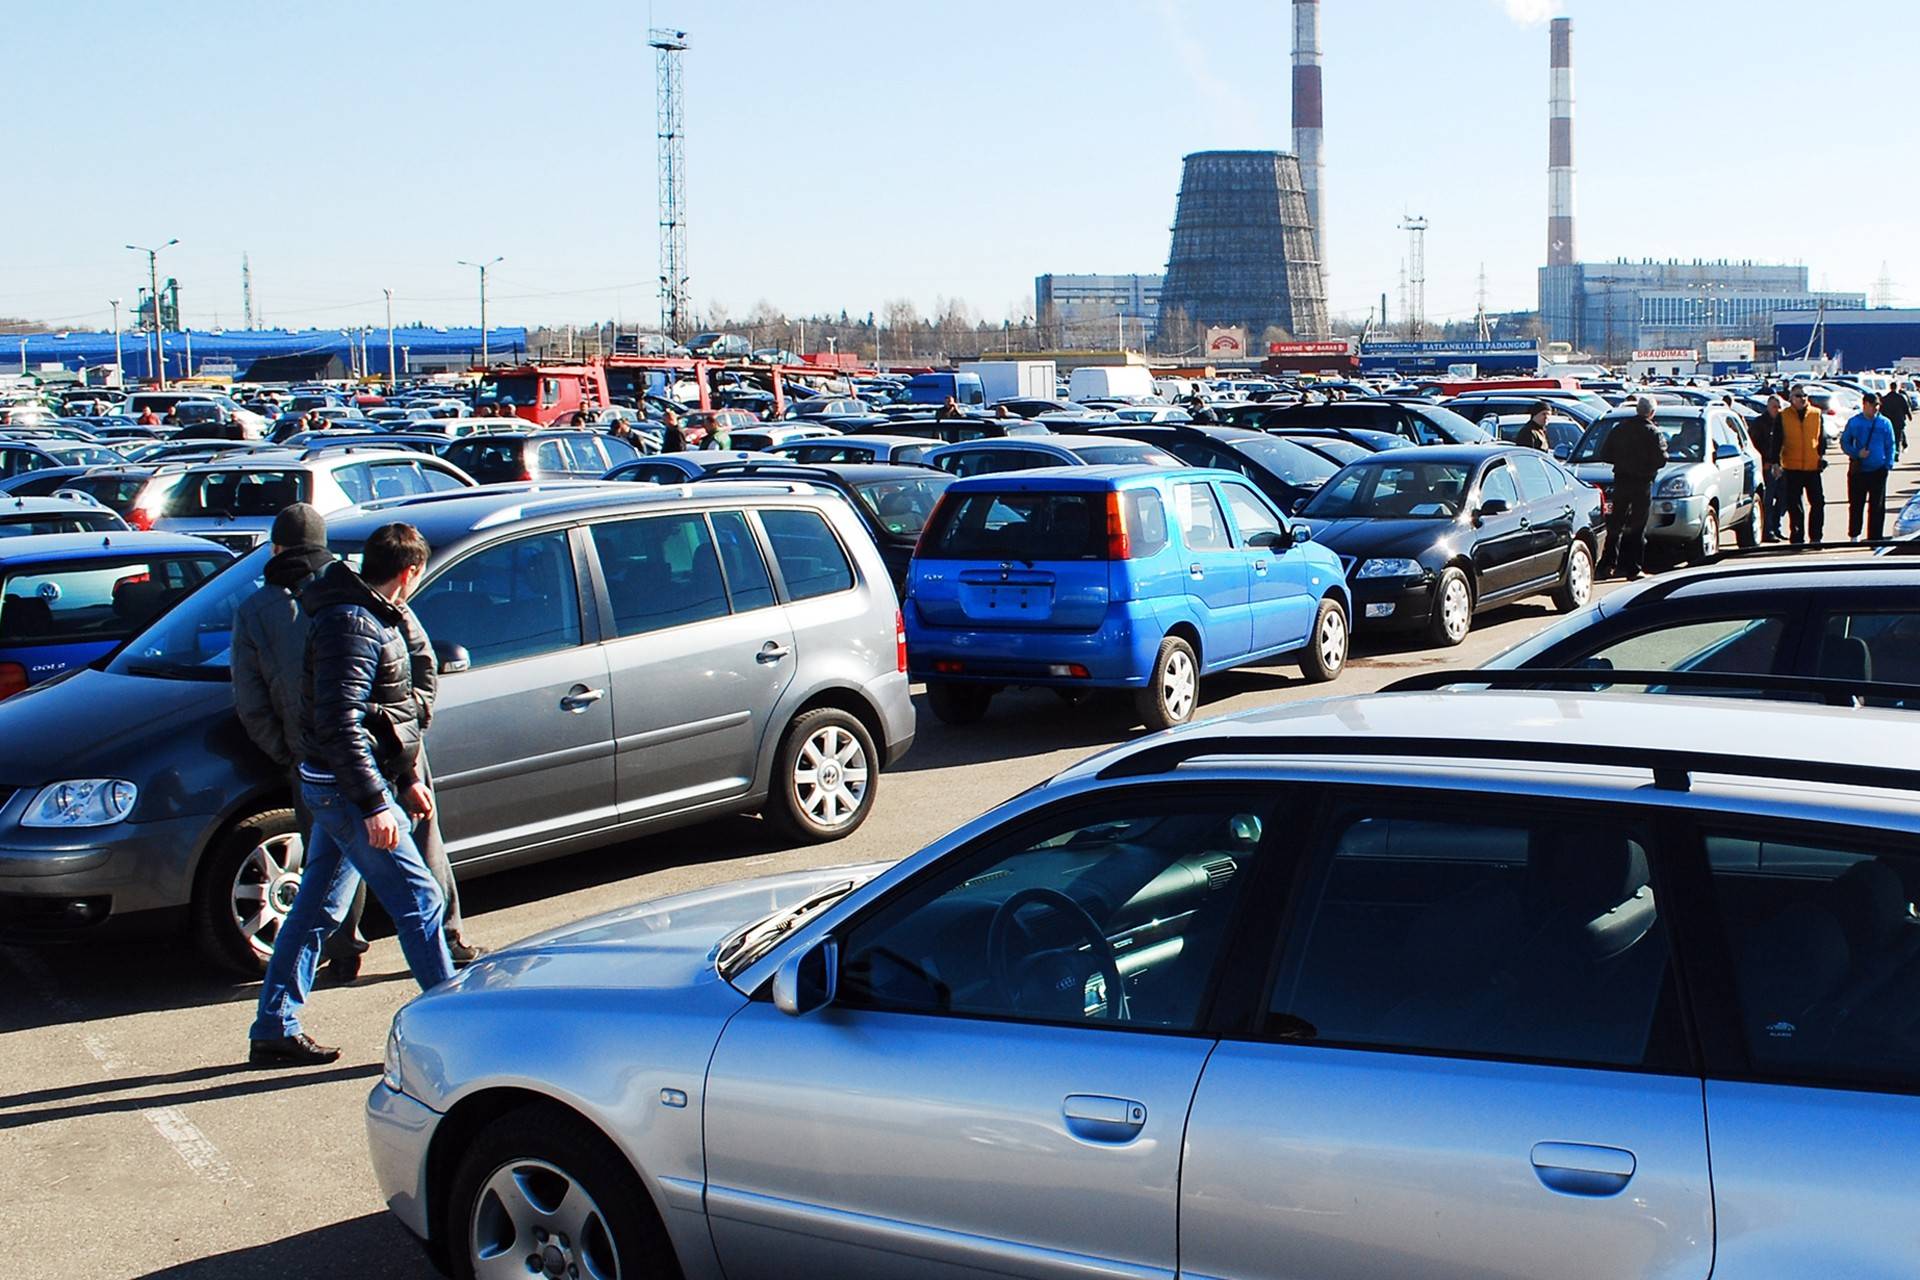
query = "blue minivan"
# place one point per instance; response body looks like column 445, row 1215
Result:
column 1115, row 577
column 68, row 598
column 934, row 388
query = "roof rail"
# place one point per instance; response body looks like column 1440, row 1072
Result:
column 1809, row 560
column 1672, row 769
column 1832, row 691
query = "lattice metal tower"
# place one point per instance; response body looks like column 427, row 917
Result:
column 246, row 291
column 1416, row 229
column 675, row 312
column 1243, row 250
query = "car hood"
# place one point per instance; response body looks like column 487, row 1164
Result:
column 134, row 725
column 1602, row 472
column 1360, row 537
column 665, row 943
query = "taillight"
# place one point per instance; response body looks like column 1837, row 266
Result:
column 900, row 641
column 525, row 474
column 1119, row 545
column 140, row 518
column 13, row 678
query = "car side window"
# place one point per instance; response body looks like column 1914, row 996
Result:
column 661, row 571
column 1498, row 485
column 1742, row 644
column 617, row 450
column 748, row 584
column 1535, row 477
column 396, row 480
column 439, row 481
column 1824, row 942
column 1197, row 512
column 1146, row 522
column 1117, row 917
column 354, row 482
column 550, row 457
column 584, row 455
column 812, row 561
column 1251, row 514
column 1882, row 646
column 513, row 600
column 1497, row 934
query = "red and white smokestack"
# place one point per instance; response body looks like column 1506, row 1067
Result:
column 1307, row 115
column 1560, row 146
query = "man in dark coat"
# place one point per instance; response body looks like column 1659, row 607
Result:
column 1636, row 451
column 1768, row 432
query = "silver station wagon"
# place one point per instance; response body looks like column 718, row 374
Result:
column 1441, row 985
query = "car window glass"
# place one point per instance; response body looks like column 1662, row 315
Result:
column 355, row 480
column 661, row 571
column 1871, row 646
column 1146, row 522
column 396, row 479
column 584, row 456
column 1533, row 475
column 811, row 559
column 1197, row 512
column 1720, row 644
column 1051, row 924
column 1826, row 955
column 509, row 601
column 655, row 473
column 748, row 584
column 438, row 481
column 549, row 457
column 617, row 450
column 79, row 602
column 1250, row 514
column 1498, row 486
column 1523, row 937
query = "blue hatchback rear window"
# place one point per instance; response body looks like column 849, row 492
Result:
column 1020, row 526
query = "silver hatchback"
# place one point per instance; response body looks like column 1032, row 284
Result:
column 1439, row 985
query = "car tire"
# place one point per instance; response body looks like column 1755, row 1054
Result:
column 1747, row 533
column 1173, row 690
column 255, row 868
column 958, row 703
column 542, row 1186
column 1576, row 583
column 1707, row 546
column 825, row 776
column 1325, row 656
column 1452, row 615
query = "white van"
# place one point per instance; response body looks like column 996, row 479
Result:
column 1115, row 382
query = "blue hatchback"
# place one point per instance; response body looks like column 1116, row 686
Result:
column 1138, row 578
column 68, row 598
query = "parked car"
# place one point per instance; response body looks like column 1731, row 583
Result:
column 234, row 501
column 1563, row 433
column 746, row 641
column 494, row 456
column 894, row 503
column 828, row 407
column 24, row 517
column 919, row 421
column 1418, row 422
column 1134, row 578
column 1479, row 407
column 762, row 437
column 69, row 598
column 719, row 346
column 1036, row 407
column 83, row 455
column 860, row 448
column 1711, row 482
column 984, row 457
column 1286, row 470
column 683, row 467
column 1429, row 537
column 17, row 457
column 1224, row 995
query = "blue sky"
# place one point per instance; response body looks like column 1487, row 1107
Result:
column 845, row 152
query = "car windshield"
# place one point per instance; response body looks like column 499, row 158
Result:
column 108, row 597
column 1297, row 466
column 193, row 642
column 903, row 506
column 239, row 493
column 1394, row 490
column 1120, row 455
column 56, row 522
column 1682, row 437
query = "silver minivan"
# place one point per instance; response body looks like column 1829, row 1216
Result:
column 615, row 661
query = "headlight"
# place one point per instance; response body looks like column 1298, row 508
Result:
column 1390, row 569
column 390, row 1073
column 84, row 802
column 1909, row 517
column 1680, row 486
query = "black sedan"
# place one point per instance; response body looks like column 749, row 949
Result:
column 1287, row 472
column 1431, row 536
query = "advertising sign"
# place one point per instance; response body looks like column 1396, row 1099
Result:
column 1729, row 350
column 1668, row 353
column 1226, row 344
column 1339, row 348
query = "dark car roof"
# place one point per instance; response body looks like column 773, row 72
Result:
column 851, row 472
column 1469, row 453
column 86, row 546
column 1771, row 575
column 1081, row 479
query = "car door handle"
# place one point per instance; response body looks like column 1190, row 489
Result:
column 1195, row 571
column 1096, row 1117
column 579, row 698
column 1526, row 522
column 771, row 651
column 1259, row 566
column 1581, row 1169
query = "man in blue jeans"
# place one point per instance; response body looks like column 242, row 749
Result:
column 359, row 771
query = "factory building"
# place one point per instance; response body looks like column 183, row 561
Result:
column 1878, row 339
column 1610, row 309
column 1090, row 309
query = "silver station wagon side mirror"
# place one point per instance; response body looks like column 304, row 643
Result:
column 806, row 980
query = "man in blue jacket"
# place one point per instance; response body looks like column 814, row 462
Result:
column 1868, row 442
column 360, row 733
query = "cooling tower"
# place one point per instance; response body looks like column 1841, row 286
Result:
column 1243, row 246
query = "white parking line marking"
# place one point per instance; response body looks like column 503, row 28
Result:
column 191, row 1145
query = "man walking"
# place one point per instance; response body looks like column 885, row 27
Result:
column 1897, row 408
column 360, row 737
column 1636, row 451
column 1802, row 442
column 1766, row 438
column 269, row 659
column 1868, row 442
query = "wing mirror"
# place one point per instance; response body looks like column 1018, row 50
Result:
column 451, row 658
column 807, row 979
column 1725, row 452
column 1493, row 507
column 1298, row 532
column 1267, row 540
column 1562, row 452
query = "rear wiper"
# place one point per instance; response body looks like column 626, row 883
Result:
column 757, row 939
column 176, row 671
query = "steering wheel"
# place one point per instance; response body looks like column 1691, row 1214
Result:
column 1001, row 966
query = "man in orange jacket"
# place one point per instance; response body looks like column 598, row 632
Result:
column 1803, row 443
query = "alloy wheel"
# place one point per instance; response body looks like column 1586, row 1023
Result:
column 264, row 888
column 533, row 1219
column 831, row 776
column 1179, row 685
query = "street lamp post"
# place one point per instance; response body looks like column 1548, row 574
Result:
column 153, row 287
column 119, row 377
column 392, row 381
column 481, row 267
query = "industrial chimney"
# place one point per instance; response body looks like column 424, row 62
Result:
column 1559, row 146
column 1307, row 117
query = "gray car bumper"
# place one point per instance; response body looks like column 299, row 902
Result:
column 123, row 870
column 399, row 1130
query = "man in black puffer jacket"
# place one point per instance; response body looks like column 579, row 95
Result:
column 360, row 734
column 1637, row 451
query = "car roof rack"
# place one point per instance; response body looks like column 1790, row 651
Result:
column 1672, row 769
column 1781, row 563
column 1832, row 691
